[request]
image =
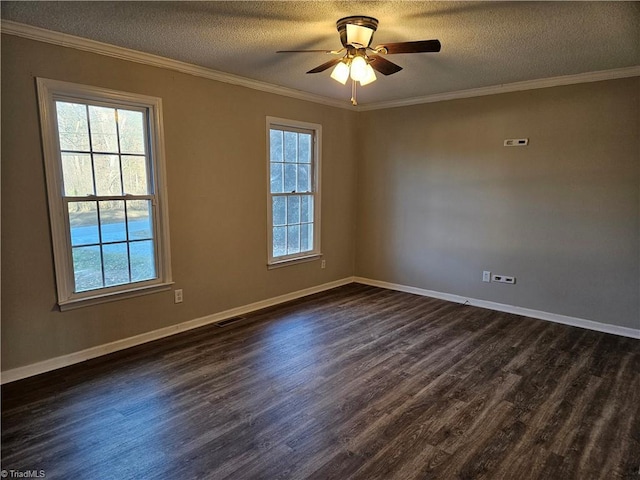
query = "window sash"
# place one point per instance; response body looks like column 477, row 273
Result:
column 52, row 91
column 127, row 240
column 312, row 192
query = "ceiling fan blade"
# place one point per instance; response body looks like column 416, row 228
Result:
column 420, row 46
column 308, row 51
column 324, row 66
column 383, row 65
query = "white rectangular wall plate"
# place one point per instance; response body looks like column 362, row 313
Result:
column 516, row 142
column 177, row 296
column 503, row 279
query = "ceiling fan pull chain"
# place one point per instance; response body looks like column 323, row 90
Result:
column 354, row 102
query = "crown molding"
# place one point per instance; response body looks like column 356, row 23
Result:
column 510, row 87
column 62, row 39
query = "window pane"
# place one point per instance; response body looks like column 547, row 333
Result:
column 112, row 224
column 290, row 178
column 304, row 178
column 279, row 210
column 306, row 208
column 293, row 209
column 107, row 172
column 116, row 264
column 293, row 239
column 104, row 137
column 131, row 129
column 77, row 175
column 275, row 142
column 134, row 175
column 304, row 148
column 139, row 219
column 290, row 146
column 143, row 262
column 83, row 220
column 104, row 199
column 279, row 241
column 87, row 268
column 291, row 187
column 73, row 131
column 277, row 178
column 306, row 237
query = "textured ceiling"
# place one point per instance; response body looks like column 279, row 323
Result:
column 483, row 43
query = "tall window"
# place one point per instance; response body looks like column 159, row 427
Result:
column 294, row 194
column 103, row 157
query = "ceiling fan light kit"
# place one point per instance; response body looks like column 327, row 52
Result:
column 356, row 33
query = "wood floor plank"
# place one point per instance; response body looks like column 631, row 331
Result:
column 357, row 382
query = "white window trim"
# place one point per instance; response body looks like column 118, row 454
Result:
column 316, row 253
column 48, row 92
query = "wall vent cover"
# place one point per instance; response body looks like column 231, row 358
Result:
column 229, row 321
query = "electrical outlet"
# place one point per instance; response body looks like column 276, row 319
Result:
column 486, row 276
column 323, row 264
column 177, row 296
column 516, row 142
column 503, row 279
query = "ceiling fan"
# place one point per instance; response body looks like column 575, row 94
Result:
column 359, row 61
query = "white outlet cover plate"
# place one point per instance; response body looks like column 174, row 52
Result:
column 516, row 142
column 503, row 279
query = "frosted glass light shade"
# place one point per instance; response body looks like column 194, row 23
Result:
column 358, row 68
column 370, row 76
column 358, row 34
column 340, row 73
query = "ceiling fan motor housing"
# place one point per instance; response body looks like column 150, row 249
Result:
column 359, row 20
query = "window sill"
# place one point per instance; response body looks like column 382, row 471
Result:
column 74, row 303
column 293, row 261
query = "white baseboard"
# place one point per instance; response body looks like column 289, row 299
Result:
column 501, row 307
column 93, row 352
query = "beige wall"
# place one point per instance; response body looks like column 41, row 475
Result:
column 215, row 153
column 436, row 196
column 440, row 199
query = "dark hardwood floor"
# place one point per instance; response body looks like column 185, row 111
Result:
column 354, row 383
